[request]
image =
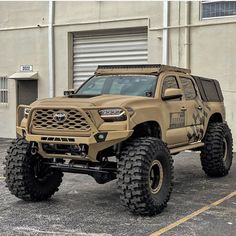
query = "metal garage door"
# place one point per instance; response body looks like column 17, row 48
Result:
column 91, row 51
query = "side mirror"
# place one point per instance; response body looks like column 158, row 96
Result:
column 172, row 93
column 69, row 92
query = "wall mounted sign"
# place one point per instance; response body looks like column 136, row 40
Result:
column 26, row 68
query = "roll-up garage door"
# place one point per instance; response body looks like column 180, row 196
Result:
column 109, row 49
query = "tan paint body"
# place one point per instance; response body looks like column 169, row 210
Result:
column 146, row 109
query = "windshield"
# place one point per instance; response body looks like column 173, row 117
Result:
column 131, row 85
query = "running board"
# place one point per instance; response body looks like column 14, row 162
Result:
column 188, row 147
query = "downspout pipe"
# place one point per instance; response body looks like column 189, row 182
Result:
column 51, row 85
column 187, row 33
column 165, row 36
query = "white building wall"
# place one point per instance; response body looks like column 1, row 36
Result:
column 21, row 42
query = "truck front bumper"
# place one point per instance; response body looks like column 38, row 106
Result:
column 93, row 142
column 96, row 139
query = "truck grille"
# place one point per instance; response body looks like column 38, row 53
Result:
column 59, row 120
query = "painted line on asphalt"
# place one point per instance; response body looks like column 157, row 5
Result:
column 33, row 231
column 2, row 177
column 194, row 214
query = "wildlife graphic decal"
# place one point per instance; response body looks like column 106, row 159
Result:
column 196, row 130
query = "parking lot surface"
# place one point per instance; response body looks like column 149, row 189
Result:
column 83, row 207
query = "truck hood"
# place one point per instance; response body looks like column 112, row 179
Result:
column 102, row 100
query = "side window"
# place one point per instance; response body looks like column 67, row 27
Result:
column 169, row 82
column 3, row 90
column 188, row 88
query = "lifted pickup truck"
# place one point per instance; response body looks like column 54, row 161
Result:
column 124, row 122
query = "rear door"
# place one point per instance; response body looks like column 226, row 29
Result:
column 194, row 108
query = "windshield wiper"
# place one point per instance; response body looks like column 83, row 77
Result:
column 84, row 95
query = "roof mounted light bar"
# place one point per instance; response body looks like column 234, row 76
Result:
column 138, row 69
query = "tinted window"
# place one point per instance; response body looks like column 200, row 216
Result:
column 169, row 82
column 210, row 90
column 131, row 85
column 94, row 87
column 188, row 88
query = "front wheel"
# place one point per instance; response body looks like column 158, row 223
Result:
column 145, row 175
column 26, row 175
column 217, row 153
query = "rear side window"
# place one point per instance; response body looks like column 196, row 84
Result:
column 188, row 88
column 210, row 90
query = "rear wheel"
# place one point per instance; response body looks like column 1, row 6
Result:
column 217, row 153
column 145, row 175
column 27, row 176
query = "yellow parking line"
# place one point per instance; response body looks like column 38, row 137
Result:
column 195, row 213
column 1, row 177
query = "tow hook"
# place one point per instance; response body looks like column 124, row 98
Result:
column 34, row 148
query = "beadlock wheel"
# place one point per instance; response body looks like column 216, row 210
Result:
column 145, row 175
column 225, row 149
column 155, row 176
column 26, row 175
column 217, row 153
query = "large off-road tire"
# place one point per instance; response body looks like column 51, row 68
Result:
column 217, row 153
column 145, row 175
column 26, row 176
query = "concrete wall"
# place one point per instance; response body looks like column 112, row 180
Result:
column 212, row 42
column 19, row 47
column 212, row 54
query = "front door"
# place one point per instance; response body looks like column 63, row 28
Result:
column 175, row 115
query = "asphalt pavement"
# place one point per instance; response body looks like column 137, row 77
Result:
column 83, row 207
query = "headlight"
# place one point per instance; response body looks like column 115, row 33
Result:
column 26, row 112
column 114, row 114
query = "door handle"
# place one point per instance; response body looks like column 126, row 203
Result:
column 199, row 108
column 183, row 109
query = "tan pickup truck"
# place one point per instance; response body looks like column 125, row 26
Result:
column 124, row 122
